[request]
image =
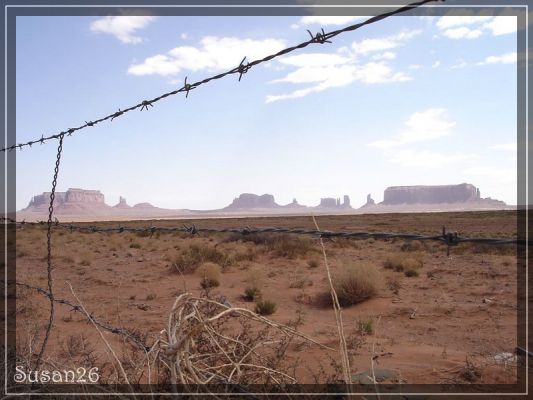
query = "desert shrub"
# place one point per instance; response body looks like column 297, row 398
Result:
column 285, row 245
column 411, row 273
column 312, row 263
column 265, row 307
column 151, row 296
column 209, row 274
column 399, row 262
column 135, row 245
column 252, row 293
column 414, row 245
column 194, row 256
column 394, row 284
column 365, row 326
column 356, row 283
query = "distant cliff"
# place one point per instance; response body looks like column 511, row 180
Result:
column 69, row 198
column 464, row 192
column 250, row 200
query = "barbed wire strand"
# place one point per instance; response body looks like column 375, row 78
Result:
column 450, row 238
column 49, row 253
column 77, row 308
column 319, row 38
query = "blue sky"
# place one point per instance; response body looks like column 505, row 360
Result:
column 406, row 101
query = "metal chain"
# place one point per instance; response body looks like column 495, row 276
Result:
column 49, row 254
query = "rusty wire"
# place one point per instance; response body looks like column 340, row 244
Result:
column 77, row 308
column 319, row 38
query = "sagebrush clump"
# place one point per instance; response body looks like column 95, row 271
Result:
column 209, row 274
column 354, row 284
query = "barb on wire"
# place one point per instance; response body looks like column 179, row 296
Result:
column 320, row 38
column 76, row 307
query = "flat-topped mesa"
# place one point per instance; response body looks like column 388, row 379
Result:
column 250, row 200
column 462, row 193
column 71, row 196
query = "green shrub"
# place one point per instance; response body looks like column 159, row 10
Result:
column 265, row 307
column 365, row 327
column 135, row 245
column 252, row 293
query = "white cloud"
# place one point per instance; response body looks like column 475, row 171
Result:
column 184, row 36
column 512, row 146
column 473, row 27
column 328, row 70
column 414, row 66
column 325, row 20
column 326, row 77
column 122, row 27
column 462, row 33
column 460, row 64
column 449, row 21
column 426, row 125
column 508, row 58
column 502, row 25
column 388, row 55
column 386, row 43
column 212, row 54
column 436, row 64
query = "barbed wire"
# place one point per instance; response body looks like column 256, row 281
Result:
column 243, row 68
column 450, row 238
column 77, row 308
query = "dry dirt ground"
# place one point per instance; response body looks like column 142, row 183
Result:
column 448, row 324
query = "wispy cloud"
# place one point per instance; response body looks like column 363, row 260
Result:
column 508, row 58
column 212, row 54
column 122, row 27
column 474, row 26
column 386, row 43
column 344, row 67
column 325, row 20
column 421, row 126
column 462, row 33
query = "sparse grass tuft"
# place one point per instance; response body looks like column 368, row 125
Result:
column 411, row 273
column 399, row 263
column 252, row 293
column 365, row 326
column 135, row 245
column 312, row 263
column 209, row 274
column 151, row 296
column 191, row 258
column 265, row 307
